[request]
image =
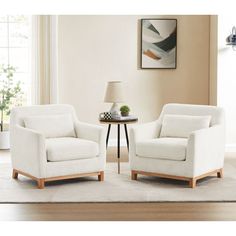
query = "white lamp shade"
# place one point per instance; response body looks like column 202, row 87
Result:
column 114, row 92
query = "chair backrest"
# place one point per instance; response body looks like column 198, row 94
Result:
column 216, row 113
column 19, row 113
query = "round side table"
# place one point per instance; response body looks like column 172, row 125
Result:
column 121, row 121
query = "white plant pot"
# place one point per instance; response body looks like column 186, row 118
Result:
column 5, row 140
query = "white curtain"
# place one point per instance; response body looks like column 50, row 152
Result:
column 44, row 60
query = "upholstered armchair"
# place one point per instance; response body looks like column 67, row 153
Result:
column 185, row 143
column 48, row 143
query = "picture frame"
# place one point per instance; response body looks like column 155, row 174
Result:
column 158, row 43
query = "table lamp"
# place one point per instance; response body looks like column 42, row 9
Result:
column 114, row 94
column 231, row 39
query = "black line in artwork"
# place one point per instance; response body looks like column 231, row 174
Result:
column 168, row 43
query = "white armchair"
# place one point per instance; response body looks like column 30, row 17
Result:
column 185, row 143
column 48, row 143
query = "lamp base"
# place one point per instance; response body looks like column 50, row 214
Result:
column 115, row 110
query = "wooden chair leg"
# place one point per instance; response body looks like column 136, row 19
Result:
column 134, row 175
column 14, row 174
column 220, row 173
column 41, row 183
column 192, row 183
column 101, row 176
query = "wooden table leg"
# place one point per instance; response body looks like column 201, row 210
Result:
column 118, row 147
column 127, row 137
column 108, row 133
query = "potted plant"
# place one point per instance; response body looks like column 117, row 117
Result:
column 9, row 92
column 125, row 110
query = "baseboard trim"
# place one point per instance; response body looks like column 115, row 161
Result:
column 230, row 147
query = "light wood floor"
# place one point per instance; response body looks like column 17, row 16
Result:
column 118, row 211
column 112, row 155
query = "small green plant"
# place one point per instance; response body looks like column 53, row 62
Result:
column 124, row 110
column 9, row 91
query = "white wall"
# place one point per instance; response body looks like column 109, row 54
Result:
column 97, row 49
column 226, row 89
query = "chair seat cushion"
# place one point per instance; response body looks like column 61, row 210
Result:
column 163, row 148
column 65, row 149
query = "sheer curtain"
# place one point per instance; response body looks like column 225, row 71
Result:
column 44, row 60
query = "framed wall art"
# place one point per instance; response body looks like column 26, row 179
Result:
column 158, row 43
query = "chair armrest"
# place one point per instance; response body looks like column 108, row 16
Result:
column 91, row 132
column 206, row 148
column 28, row 151
column 145, row 131
column 142, row 132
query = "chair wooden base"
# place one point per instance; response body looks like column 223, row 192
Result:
column 220, row 173
column 41, row 181
column 192, row 181
column 101, row 176
column 14, row 174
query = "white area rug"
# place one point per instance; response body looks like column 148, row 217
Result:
column 118, row 188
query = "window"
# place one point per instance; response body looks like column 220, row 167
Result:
column 226, row 82
column 15, row 49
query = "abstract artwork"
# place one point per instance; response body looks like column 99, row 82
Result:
column 158, row 49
